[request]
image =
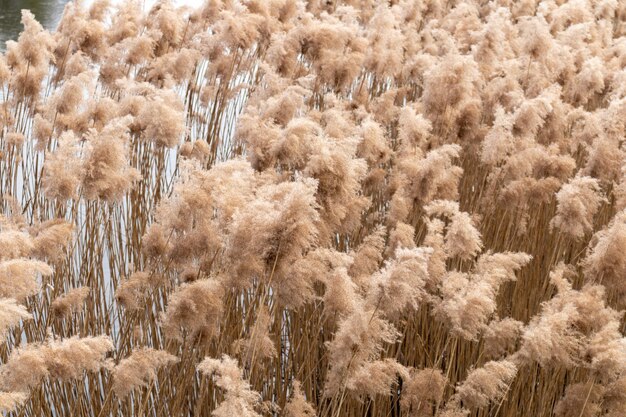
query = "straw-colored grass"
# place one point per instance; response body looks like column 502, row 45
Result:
column 323, row 208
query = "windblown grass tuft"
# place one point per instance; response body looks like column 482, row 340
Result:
column 315, row 208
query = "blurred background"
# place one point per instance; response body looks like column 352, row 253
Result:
column 47, row 12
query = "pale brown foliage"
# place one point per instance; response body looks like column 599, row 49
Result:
column 258, row 345
column 580, row 399
column 501, row 336
column 424, row 390
column 11, row 314
column 9, row 401
column 64, row 360
column 426, row 179
column 133, row 292
column 283, row 219
column 376, row 377
column 239, row 399
column 15, row 244
column 368, row 255
column 63, row 170
column 578, row 201
column 469, row 299
column 298, row 405
column 604, row 261
column 575, row 326
column 51, row 239
column 485, row 384
column 69, row 302
column 366, row 197
column 401, row 282
column 19, row 278
column 196, row 308
column 139, row 369
column 462, row 239
column 161, row 119
column 360, row 338
column 106, row 172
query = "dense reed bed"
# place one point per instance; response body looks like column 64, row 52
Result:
column 288, row 208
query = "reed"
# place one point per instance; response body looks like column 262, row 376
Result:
column 295, row 209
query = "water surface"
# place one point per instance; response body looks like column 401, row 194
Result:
column 47, row 12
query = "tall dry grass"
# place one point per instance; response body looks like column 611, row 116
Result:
column 319, row 208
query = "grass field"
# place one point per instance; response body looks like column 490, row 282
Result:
column 322, row 208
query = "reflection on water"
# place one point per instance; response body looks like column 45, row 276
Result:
column 47, row 12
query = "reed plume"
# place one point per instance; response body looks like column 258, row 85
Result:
column 331, row 208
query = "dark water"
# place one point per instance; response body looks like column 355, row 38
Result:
column 47, row 12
